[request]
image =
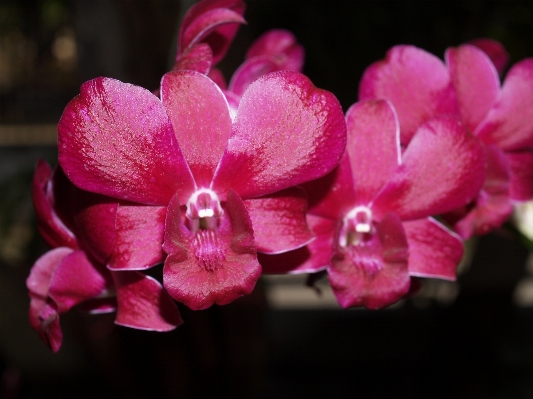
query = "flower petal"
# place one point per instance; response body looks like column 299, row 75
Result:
column 44, row 319
column 286, row 132
column 373, row 146
column 373, row 274
column 249, row 71
column 198, row 58
column 116, row 139
column 209, row 267
column 443, row 168
column 314, row 257
column 428, row 92
column 40, row 276
column 201, row 119
column 495, row 50
column 475, row 81
column 279, row 221
column 521, row 175
column 140, row 231
column 142, row 303
column 282, row 45
column 434, row 251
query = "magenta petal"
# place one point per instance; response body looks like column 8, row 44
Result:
column 50, row 226
column 142, row 303
column 198, row 58
column 201, row 118
column 217, row 76
column 211, row 26
column 373, row 273
column 428, row 92
column 140, row 231
column 279, row 221
column 282, row 45
column 475, row 81
column 443, row 168
column 44, row 319
column 210, row 266
column 40, row 276
column 77, row 279
column 509, row 125
column 373, row 146
column 286, row 132
column 116, row 139
column 249, row 71
column 434, row 251
column 314, row 257
column 495, row 50
column 521, row 175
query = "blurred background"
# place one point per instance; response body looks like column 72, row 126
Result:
column 473, row 339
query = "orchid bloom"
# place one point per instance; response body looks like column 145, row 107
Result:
column 80, row 227
column 371, row 216
column 467, row 86
column 227, row 184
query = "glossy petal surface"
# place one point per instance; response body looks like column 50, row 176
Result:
column 198, row 58
column 249, row 71
column 116, row 139
column 286, row 132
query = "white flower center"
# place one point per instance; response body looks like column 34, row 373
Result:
column 355, row 226
column 203, row 208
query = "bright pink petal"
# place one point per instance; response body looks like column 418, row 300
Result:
column 116, row 139
column 50, row 225
column 249, row 71
column 314, row 257
column 40, row 276
column 416, row 82
column 77, row 279
column 286, row 132
column 198, row 58
column 443, row 168
column 509, row 125
column 210, row 266
column 44, row 319
column 373, row 146
column 434, row 251
column 521, row 175
column 144, row 304
column 495, row 50
column 373, row 273
column 140, row 232
column 279, row 221
column 213, row 22
column 492, row 206
column 201, row 118
column 282, row 45
column 475, row 81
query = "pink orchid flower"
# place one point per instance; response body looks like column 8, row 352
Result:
column 228, row 184
column 80, row 226
column 467, row 86
column 371, row 216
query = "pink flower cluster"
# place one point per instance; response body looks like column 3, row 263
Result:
column 224, row 182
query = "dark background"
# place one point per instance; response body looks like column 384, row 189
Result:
column 478, row 346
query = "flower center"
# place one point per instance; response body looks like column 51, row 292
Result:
column 203, row 210
column 356, row 227
column 208, row 250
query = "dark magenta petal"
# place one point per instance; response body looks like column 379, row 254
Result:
column 286, row 132
column 77, row 279
column 214, row 22
column 495, row 50
column 140, row 231
column 201, row 118
column 443, row 168
column 50, row 225
column 38, row 282
column 374, row 273
column 492, row 206
column 314, row 257
column 282, row 45
column 249, row 71
column 142, row 303
column 509, row 124
column 116, row 139
column 279, row 221
column 475, row 81
column 373, row 146
column 45, row 320
column 416, row 82
column 521, row 175
column 434, row 251
column 210, row 266
column 198, row 58
column 217, row 76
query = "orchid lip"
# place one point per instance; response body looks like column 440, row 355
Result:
column 356, row 226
